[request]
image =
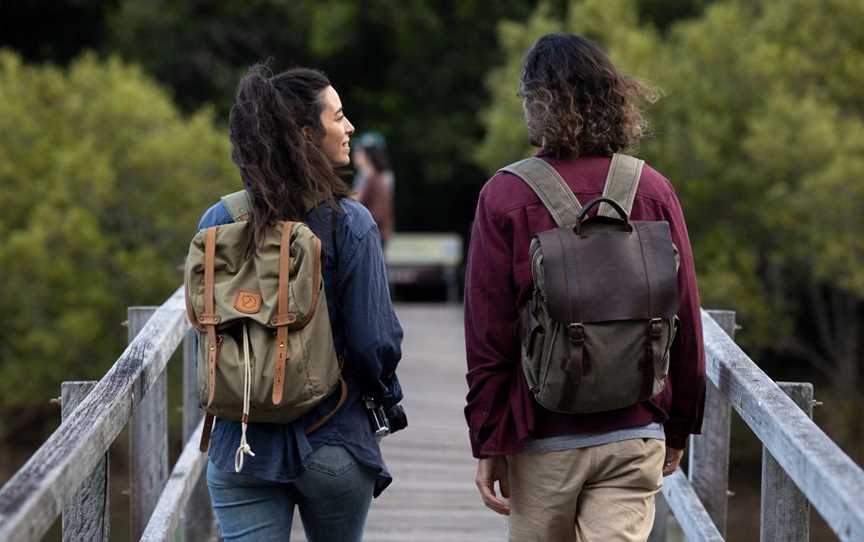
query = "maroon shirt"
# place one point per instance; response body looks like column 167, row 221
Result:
column 501, row 411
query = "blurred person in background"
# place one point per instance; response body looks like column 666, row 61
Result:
column 374, row 182
column 289, row 135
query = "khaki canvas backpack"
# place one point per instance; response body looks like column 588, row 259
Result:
column 597, row 329
column 265, row 345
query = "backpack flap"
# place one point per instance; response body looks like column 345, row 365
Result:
column 608, row 274
column 248, row 287
column 274, row 291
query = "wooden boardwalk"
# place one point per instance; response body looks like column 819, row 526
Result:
column 432, row 497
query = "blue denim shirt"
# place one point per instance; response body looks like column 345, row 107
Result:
column 367, row 334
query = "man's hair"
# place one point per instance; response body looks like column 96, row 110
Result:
column 576, row 102
column 283, row 171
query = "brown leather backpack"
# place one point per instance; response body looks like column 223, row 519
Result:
column 597, row 329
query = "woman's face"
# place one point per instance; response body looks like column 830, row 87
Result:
column 337, row 129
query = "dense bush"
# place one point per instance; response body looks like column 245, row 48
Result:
column 102, row 182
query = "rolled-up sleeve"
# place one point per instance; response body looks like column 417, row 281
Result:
column 687, row 359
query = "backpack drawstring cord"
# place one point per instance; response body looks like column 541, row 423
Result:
column 244, row 448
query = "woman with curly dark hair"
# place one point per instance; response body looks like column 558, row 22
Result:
column 592, row 475
column 289, row 136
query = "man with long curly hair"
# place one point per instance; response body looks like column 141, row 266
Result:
column 585, row 477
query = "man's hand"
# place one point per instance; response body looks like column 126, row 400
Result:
column 672, row 460
column 490, row 470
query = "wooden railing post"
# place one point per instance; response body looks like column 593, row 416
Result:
column 148, row 440
column 86, row 515
column 708, row 461
column 708, row 464
column 198, row 516
column 785, row 510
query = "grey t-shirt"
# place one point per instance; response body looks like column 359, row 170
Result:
column 584, row 440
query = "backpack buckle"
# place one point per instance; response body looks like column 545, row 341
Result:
column 576, row 332
column 656, row 328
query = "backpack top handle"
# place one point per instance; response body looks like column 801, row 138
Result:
column 584, row 218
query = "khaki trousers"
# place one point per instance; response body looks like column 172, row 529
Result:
column 597, row 494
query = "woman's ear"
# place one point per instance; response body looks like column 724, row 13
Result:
column 308, row 133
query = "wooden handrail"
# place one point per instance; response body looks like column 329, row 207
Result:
column 166, row 516
column 31, row 501
column 831, row 481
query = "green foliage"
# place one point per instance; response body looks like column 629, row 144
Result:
column 411, row 70
column 506, row 134
column 103, row 182
column 614, row 23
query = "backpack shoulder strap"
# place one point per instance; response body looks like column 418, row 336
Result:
column 237, row 204
column 622, row 181
column 549, row 187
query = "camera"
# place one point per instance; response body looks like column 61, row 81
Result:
column 385, row 421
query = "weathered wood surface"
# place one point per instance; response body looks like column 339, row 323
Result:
column 197, row 516
column 32, row 499
column 86, row 516
column 433, row 497
column 688, row 509
column 708, row 464
column 166, row 517
column 832, row 482
column 785, row 510
column 148, row 440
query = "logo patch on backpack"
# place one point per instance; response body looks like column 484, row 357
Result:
column 247, row 302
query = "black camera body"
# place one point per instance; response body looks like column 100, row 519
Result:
column 385, row 421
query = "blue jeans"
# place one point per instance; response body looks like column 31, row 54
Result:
column 333, row 495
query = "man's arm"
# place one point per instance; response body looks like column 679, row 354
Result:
column 490, row 321
column 687, row 358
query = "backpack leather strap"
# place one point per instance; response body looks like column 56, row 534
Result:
column 622, row 181
column 654, row 351
column 209, row 319
column 205, row 433
column 552, row 190
column 283, row 317
column 342, row 397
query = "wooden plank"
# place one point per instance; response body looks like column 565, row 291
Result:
column 708, row 464
column 829, row 478
column 31, row 500
column 785, row 510
column 191, row 411
column 688, row 509
column 148, row 440
column 166, row 516
column 198, row 515
column 86, row 516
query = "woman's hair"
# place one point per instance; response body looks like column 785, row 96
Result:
column 373, row 144
column 282, row 170
column 576, row 102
